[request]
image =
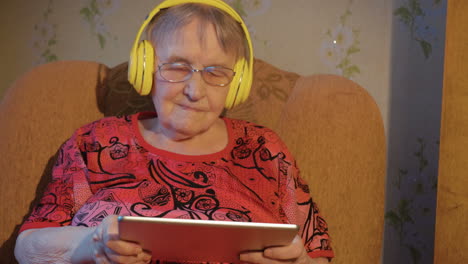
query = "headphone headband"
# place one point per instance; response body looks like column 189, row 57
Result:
column 170, row 3
column 243, row 69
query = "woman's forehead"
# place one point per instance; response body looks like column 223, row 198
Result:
column 164, row 29
column 194, row 41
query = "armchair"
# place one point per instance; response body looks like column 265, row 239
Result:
column 331, row 125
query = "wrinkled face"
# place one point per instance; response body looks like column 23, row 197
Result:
column 191, row 107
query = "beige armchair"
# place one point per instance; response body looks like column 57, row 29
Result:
column 331, row 124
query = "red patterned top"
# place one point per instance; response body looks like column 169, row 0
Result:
column 107, row 167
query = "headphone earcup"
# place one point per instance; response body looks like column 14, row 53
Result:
column 240, row 86
column 246, row 83
column 144, row 67
column 148, row 68
column 233, row 92
column 132, row 67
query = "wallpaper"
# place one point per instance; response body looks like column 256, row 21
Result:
column 328, row 41
column 393, row 48
column 413, row 130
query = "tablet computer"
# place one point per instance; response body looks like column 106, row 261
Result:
column 202, row 240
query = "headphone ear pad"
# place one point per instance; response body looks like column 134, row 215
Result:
column 246, row 83
column 144, row 68
column 239, row 89
column 148, row 68
column 234, row 87
column 132, row 67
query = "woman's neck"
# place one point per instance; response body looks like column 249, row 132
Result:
column 210, row 141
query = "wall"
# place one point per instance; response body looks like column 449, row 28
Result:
column 366, row 41
column 413, row 129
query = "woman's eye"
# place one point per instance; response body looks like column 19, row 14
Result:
column 217, row 73
column 180, row 68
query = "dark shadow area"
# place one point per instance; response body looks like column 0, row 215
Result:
column 7, row 248
column 117, row 97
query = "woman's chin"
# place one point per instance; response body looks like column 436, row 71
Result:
column 184, row 130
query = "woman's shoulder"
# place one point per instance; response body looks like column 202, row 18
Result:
column 243, row 124
column 109, row 121
column 247, row 129
column 257, row 137
column 102, row 129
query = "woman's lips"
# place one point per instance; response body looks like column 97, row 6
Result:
column 190, row 108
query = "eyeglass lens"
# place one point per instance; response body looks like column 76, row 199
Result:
column 179, row 72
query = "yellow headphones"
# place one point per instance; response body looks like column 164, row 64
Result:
column 142, row 56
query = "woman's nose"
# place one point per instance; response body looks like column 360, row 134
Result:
column 196, row 87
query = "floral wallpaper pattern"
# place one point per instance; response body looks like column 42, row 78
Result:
column 412, row 14
column 417, row 187
column 412, row 216
column 93, row 12
column 248, row 9
column 44, row 38
column 414, row 182
column 339, row 44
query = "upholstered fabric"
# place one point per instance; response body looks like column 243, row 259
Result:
column 119, row 98
column 334, row 128
column 451, row 239
column 271, row 88
column 38, row 113
column 331, row 124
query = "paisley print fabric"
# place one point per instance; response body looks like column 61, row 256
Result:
column 107, row 167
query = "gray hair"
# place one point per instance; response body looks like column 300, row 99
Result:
column 229, row 32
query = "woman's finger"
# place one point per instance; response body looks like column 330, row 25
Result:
column 123, row 248
column 252, row 257
column 108, row 233
column 110, row 249
column 260, row 258
column 122, row 257
column 145, row 257
column 292, row 251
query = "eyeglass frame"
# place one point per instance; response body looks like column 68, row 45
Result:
column 189, row 76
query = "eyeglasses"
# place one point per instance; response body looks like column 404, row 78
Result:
column 181, row 72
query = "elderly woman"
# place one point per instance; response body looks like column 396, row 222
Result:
column 184, row 161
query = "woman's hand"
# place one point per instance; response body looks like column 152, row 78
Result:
column 78, row 244
column 108, row 248
column 292, row 253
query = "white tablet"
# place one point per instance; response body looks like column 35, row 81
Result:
column 202, row 240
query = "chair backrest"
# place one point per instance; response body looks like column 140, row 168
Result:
column 331, row 124
column 335, row 129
